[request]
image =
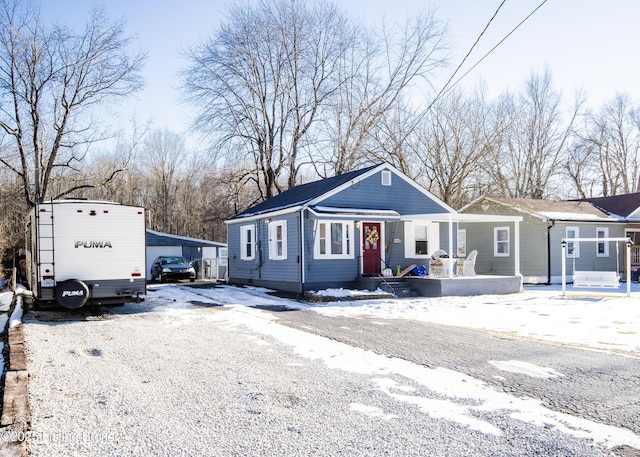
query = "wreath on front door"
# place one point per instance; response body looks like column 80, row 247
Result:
column 372, row 236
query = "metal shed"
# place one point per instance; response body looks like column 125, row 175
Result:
column 209, row 257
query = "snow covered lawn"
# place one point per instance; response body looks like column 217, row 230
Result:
column 177, row 374
column 599, row 319
column 590, row 318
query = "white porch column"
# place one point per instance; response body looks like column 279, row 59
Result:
column 516, row 254
column 451, row 250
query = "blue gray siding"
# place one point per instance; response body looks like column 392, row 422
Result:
column 322, row 272
column 400, row 196
column 280, row 274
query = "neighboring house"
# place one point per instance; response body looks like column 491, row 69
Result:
column 625, row 208
column 545, row 224
column 332, row 232
column 209, row 257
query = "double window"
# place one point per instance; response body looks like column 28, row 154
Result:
column 277, row 241
column 334, row 240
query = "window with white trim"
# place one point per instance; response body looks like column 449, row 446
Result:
column 602, row 247
column 573, row 248
column 278, row 240
column 421, row 239
column 334, row 240
column 461, row 243
column 248, row 242
column 501, row 241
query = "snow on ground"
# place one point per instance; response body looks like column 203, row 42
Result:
column 590, row 318
column 5, row 304
column 593, row 320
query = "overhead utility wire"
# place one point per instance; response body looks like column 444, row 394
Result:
column 499, row 43
column 446, row 89
column 468, row 53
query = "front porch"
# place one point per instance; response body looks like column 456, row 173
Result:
column 426, row 286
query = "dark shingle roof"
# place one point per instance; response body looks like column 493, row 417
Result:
column 299, row 195
column 617, row 205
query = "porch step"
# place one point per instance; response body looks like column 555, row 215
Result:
column 401, row 289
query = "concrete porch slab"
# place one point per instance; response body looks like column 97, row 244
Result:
column 464, row 286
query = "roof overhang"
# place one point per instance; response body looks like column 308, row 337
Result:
column 264, row 215
column 353, row 213
column 460, row 217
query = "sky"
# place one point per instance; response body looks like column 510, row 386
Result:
column 589, row 45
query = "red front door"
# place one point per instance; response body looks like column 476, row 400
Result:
column 371, row 255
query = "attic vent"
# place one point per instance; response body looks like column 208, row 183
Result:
column 386, row 177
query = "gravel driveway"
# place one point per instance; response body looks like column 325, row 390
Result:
column 174, row 378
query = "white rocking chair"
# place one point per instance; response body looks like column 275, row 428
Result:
column 467, row 267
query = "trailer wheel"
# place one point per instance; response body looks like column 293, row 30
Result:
column 72, row 293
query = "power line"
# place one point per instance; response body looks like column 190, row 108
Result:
column 498, row 44
column 446, row 88
column 469, row 53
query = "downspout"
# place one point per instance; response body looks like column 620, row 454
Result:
column 301, row 251
column 549, row 227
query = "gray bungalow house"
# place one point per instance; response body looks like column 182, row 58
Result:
column 332, row 233
column 545, row 224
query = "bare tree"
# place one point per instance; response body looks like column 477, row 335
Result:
column 379, row 68
column 613, row 141
column 292, row 83
column 459, row 132
column 260, row 81
column 534, row 143
column 51, row 79
column 165, row 160
column 113, row 174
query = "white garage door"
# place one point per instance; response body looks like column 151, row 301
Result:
column 155, row 251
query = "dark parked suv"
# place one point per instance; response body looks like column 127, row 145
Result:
column 172, row 267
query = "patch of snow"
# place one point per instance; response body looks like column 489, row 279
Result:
column 345, row 293
column 371, row 411
column 529, row 369
column 16, row 315
column 454, row 390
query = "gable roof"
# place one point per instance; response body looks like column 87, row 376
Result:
column 624, row 206
column 553, row 209
column 301, row 194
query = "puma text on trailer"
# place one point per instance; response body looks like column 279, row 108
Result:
column 83, row 251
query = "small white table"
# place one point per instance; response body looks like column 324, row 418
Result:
column 449, row 265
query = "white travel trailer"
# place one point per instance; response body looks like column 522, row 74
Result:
column 84, row 251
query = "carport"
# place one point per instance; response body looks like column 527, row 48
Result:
column 209, row 257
